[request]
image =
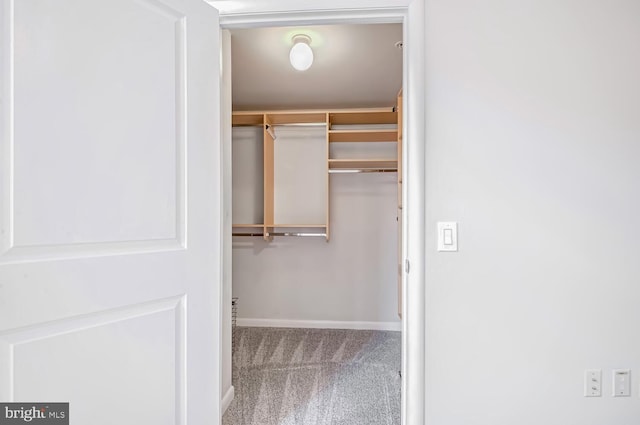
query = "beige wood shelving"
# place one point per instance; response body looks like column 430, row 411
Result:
column 363, row 125
column 364, row 164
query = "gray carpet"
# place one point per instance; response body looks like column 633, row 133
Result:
column 315, row 377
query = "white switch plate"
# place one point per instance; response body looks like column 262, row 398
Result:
column 447, row 236
column 621, row 383
column 593, row 383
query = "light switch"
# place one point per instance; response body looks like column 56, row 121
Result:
column 447, row 236
column 621, row 383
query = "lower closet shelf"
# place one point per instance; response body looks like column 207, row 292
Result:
column 382, row 164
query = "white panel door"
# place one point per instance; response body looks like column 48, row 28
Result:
column 109, row 208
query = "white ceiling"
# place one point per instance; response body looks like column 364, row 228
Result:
column 354, row 66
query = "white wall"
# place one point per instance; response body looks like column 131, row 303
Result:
column 351, row 278
column 533, row 146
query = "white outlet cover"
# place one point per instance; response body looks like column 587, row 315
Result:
column 593, row 383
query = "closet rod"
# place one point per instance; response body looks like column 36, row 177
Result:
column 361, row 170
column 324, row 235
column 268, row 127
column 292, row 124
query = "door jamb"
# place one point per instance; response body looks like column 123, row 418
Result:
column 411, row 14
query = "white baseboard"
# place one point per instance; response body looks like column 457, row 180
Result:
column 319, row 324
column 227, row 399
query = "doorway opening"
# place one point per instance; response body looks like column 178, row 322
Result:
column 317, row 153
column 411, row 15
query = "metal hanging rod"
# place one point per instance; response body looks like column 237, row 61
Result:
column 304, row 234
column 362, row 170
column 269, row 127
column 324, row 235
column 292, row 124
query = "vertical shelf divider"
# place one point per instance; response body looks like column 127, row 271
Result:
column 327, row 217
column 269, row 194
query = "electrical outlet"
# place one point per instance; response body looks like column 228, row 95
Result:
column 593, row 383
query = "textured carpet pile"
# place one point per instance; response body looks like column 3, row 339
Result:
column 315, row 377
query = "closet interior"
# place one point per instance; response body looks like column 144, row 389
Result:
column 317, row 192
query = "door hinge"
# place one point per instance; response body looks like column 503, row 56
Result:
column 406, row 266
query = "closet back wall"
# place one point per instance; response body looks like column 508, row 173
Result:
column 348, row 282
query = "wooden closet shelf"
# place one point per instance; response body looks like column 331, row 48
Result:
column 336, row 116
column 364, row 116
column 278, row 117
column 297, row 118
column 247, row 119
column 378, row 135
column 335, row 164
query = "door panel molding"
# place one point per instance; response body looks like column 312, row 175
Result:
column 161, row 321
column 22, row 237
column 26, row 254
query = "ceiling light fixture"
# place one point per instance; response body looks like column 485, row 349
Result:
column 301, row 55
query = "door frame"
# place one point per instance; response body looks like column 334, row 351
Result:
column 257, row 13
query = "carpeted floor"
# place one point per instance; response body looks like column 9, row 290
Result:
column 315, row 377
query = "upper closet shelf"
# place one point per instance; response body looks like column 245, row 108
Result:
column 240, row 118
column 247, row 118
column 326, row 116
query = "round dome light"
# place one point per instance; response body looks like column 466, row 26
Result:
column 301, row 55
